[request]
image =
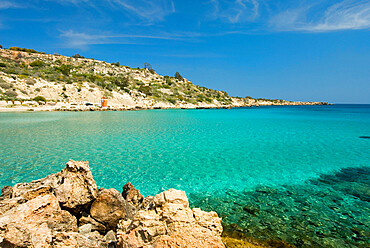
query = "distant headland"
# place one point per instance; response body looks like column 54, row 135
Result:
column 31, row 80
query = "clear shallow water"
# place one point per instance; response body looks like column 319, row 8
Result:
column 204, row 152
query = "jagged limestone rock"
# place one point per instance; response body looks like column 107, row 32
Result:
column 74, row 186
column 33, row 223
column 95, row 225
column 169, row 222
column 132, row 195
column 6, row 192
column 109, row 207
column 43, row 213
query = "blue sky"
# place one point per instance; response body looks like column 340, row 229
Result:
column 288, row 49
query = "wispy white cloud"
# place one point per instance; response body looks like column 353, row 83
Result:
column 230, row 16
column 293, row 15
column 234, row 11
column 192, row 55
column 69, row 1
column 345, row 15
column 10, row 5
column 147, row 10
column 75, row 39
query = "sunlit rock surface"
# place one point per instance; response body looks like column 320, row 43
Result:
column 66, row 209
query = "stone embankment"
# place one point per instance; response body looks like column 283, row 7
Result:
column 67, row 209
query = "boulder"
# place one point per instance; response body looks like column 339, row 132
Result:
column 132, row 195
column 74, row 239
column 7, row 204
column 169, row 222
column 6, row 192
column 74, row 186
column 77, row 187
column 87, row 228
column 33, row 193
column 34, row 223
column 109, row 207
column 95, row 226
column 110, row 238
column 43, row 213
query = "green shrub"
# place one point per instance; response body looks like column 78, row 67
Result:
column 5, row 85
column 35, row 74
column 22, row 76
column 121, row 82
column 39, row 99
column 2, row 64
column 65, row 69
column 178, row 76
column 146, row 90
column 64, row 95
column 37, row 90
column 77, row 56
column 171, row 100
column 22, row 49
column 107, row 94
column 169, row 81
column 138, row 82
column 37, row 63
column 30, row 81
column 11, row 94
column 94, row 78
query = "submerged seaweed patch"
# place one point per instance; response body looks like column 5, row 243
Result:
column 331, row 211
column 351, row 181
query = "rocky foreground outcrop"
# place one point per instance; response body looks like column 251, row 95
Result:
column 67, row 209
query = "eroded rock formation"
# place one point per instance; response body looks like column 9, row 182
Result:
column 67, row 209
column 167, row 221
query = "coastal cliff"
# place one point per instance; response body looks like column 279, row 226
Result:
column 67, row 209
column 30, row 79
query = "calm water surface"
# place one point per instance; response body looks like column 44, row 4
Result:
column 221, row 158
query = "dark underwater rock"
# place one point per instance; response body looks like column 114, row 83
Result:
column 330, row 211
column 253, row 210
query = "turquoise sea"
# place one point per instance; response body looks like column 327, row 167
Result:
column 297, row 175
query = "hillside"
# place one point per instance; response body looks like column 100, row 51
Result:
column 26, row 74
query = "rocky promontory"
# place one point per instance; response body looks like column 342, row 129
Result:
column 34, row 81
column 67, row 209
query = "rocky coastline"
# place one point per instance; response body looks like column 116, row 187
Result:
column 16, row 106
column 31, row 81
column 67, row 209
